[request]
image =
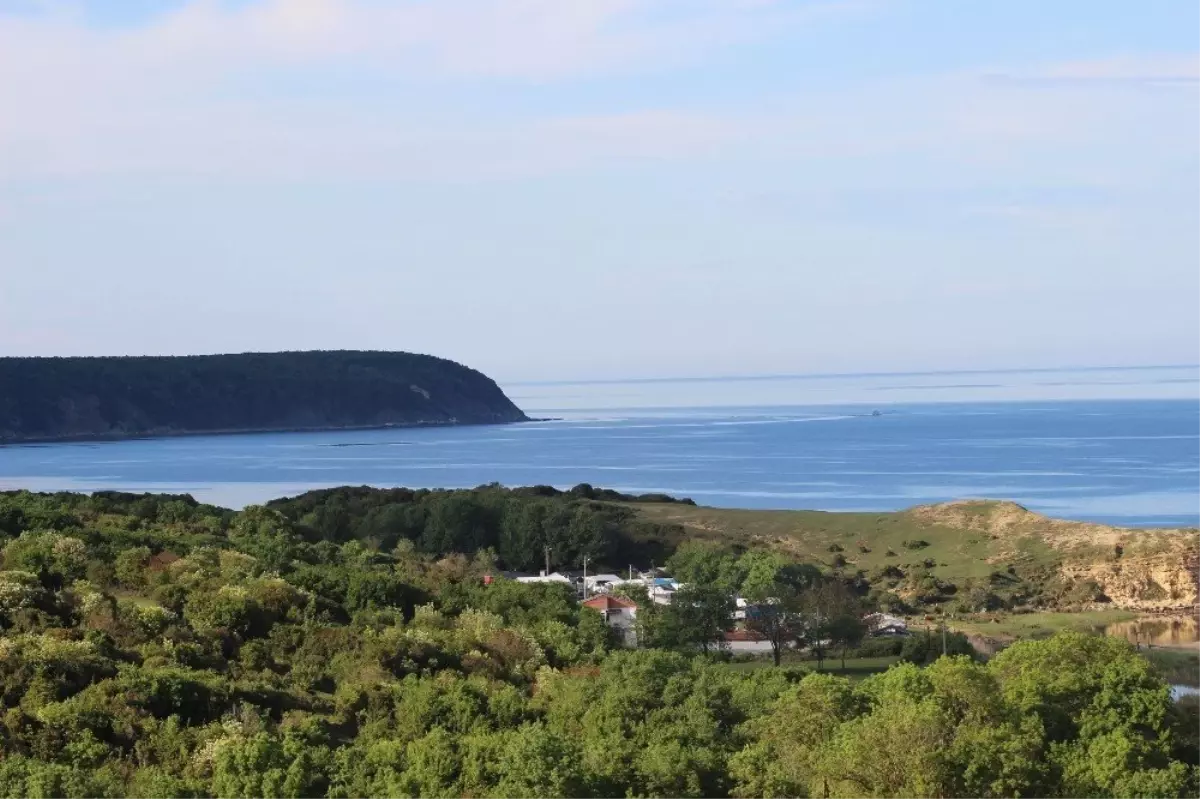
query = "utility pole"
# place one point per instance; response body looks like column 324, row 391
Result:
column 585, row 563
column 943, row 638
column 546, row 549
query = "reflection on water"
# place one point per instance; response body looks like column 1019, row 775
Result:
column 1180, row 691
column 1157, row 632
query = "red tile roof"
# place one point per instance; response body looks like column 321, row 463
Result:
column 607, row 602
column 743, row 635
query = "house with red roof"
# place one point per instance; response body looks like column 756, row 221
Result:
column 618, row 612
column 741, row 640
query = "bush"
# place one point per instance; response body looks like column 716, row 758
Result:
column 926, row 647
column 888, row 572
column 917, row 544
column 884, row 646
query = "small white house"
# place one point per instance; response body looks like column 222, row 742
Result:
column 886, row 624
column 619, row 613
column 553, row 577
column 661, row 596
column 601, row 583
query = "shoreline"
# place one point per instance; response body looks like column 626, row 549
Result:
column 85, row 438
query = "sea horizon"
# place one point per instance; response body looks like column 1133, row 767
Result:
column 538, row 398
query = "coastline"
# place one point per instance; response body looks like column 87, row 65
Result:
column 84, row 438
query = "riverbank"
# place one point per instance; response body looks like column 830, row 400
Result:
column 1168, row 642
column 1010, row 627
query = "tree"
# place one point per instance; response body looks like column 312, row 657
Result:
column 775, row 613
column 704, row 564
column 829, row 611
column 266, row 534
column 56, row 559
column 264, row 765
column 785, row 742
column 1106, row 713
column 847, row 630
column 538, row 762
column 697, row 617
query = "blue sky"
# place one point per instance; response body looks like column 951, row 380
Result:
column 605, row 188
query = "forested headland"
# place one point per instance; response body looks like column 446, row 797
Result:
column 117, row 397
column 361, row 642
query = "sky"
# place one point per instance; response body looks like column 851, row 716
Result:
column 600, row 189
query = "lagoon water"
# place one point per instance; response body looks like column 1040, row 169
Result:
column 1117, row 446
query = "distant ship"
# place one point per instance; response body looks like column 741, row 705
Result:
column 876, row 413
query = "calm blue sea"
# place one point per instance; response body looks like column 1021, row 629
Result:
column 1027, row 437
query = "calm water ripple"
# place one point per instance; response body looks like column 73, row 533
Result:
column 1129, row 462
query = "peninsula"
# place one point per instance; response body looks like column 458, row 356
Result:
column 58, row 399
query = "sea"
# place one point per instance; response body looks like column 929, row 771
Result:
column 1112, row 445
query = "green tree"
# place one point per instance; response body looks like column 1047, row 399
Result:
column 775, row 612
column 1106, row 714
column 56, row 559
column 697, row 617
column 830, row 614
column 538, row 762
column 785, row 742
column 265, row 765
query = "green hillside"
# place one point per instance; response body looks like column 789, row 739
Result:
column 71, row 398
column 997, row 546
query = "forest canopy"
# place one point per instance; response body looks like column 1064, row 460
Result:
column 64, row 398
column 154, row 646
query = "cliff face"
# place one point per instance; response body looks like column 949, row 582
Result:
column 1151, row 583
column 1155, row 569
column 66, row 398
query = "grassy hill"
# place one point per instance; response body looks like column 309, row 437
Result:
column 967, row 544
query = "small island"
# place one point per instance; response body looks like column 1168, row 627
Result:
column 61, row 399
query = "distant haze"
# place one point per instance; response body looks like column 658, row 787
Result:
column 671, row 396
column 605, row 188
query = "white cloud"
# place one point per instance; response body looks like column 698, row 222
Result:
column 164, row 97
column 531, row 39
column 1138, row 69
column 168, row 97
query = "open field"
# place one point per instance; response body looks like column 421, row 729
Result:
column 968, row 542
column 808, row 535
column 1038, row 625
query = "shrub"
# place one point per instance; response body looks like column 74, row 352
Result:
column 883, row 646
column 926, row 647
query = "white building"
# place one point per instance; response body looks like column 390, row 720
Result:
column 749, row 641
column 619, row 613
column 600, row 583
column 542, row 577
column 886, row 624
